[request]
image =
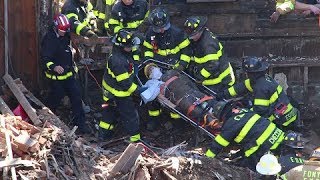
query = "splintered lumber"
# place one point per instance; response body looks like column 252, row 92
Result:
column 127, row 159
column 16, row 161
column 9, row 149
column 22, row 99
column 4, row 107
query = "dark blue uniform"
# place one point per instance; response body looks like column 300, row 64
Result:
column 56, row 51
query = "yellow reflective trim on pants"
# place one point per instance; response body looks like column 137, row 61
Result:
column 246, row 128
column 105, row 125
column 135, row 138
column 232, row 91
column 63, row 77
column 209, row 57
column 210, row 154
column 147, row 45
column 174, row 115
column 219, row 79
column 205, row 73
column 261, row 139
column 102, row 16
column 148, row 54
column 220, row 140
column 248, row 85
column 278, row 142
column 70, row 15
column 154, row 113
column 185, row 58
column 49, row 64
column 118, row 93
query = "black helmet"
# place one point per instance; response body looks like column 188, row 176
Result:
column 195, row 24
column 293, row 140
column 159, row 19
column 125, row 38
column 254, row 64
column 218, row 108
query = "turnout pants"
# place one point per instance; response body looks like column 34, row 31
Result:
column 69, row 87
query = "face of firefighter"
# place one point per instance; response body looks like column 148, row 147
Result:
column 61, row 33
column 196, row 37
column 127, row 49
column 127, row 2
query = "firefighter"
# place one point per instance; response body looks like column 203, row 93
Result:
column 208, row 67
column 118, row 87
column 164, row 42
column 128, row 14
column 286, row 6
column 81, row 16
column 269, row 99
column 104, row 8
column 60, row 69
column 256, row 134
column 310, row 169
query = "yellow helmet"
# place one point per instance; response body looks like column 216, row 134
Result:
column 147, row 69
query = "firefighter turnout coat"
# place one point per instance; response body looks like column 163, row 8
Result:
column 256, row 134
column 269, row 99
column 104, row 8
column 81, row 17
column 118, row 79
column 128, row 17
column 172, row 46
column 209, row 68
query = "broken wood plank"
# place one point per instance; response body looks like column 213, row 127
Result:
column 15, row 162
column 4, row 107
column 127, row 159
column 22, row 99
column 9, row 149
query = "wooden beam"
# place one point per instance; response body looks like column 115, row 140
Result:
column 22, row 99
column 4, row 108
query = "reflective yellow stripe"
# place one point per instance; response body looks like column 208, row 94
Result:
column 63, row 77
column 248, row 85
column 118, row 93
column 154, row 113
column 148, row 54
column 81, row 26
column 109, row 2
column 185, row 58
column 220, row 140
column 233, row 78
column 261, row 102
column 136, row 57
column 271, row 118
column 210, row 154
column 132, row 25
column 219, row 79
column 205, row 73
column 89, row 6
column 184, row 44
column 275, row 95
column 105, row 125
column 105, row 98
column 106, row 25
column 246, row 128
column 290, row 121
column 102, row 16
column 147, row 45
column 114, row 21
column 117, row 29
column 165, row 52
column 49, row 64
column 70, row 15
column 278, row 142
column 135, row 138
column 122, row 76
column 174, row 115
column 284, row 177
column 232, row 91
column 261, row 139
column 209, row 57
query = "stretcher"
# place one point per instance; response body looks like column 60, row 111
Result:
column 194, row 111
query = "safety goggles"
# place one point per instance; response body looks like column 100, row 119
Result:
column 159, row 30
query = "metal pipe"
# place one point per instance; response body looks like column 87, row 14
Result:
column 6, row 41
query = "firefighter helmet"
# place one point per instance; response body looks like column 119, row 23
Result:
column 254, row 64
column 315, row 156
column 125, row 38
column 159, row 19
column 61, row 22
column 293, row 140
column 195, row 24
column 268, row 165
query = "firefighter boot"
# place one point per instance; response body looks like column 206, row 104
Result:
column 105, row 135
